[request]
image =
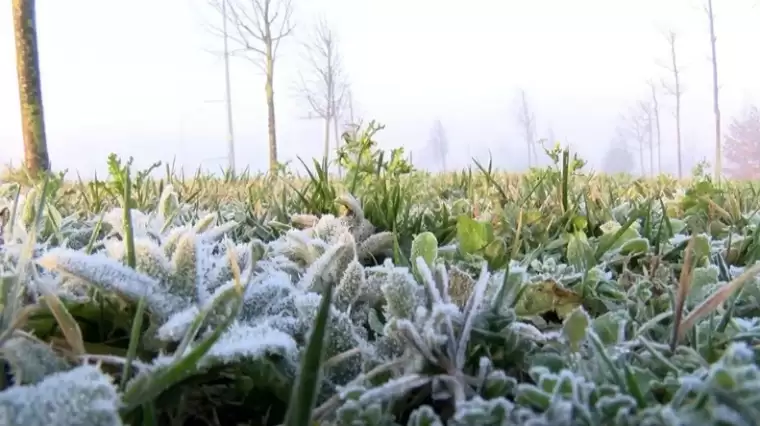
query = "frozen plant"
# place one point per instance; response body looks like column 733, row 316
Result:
column 82, row 396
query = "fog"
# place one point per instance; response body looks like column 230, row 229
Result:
column 145, row 78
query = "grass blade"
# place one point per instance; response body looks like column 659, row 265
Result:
column 306, row 387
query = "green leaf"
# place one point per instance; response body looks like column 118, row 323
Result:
column 575, row 327
column 306, row 387
column 611, row 326
column 473, row 235
column 677, row 225
column 425, row 245
column 579, row 223
column 534, row 397
column 701, row 247
column 579, row 252
column 496, row 254
column 635, row 246
column 146, row 388
column 610, row 229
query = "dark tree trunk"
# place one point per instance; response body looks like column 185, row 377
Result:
column 30, row 89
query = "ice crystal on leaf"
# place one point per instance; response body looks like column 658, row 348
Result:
column 82, row 396
column 400, row 291
column 329, row 267
column 112, row 276
column 350, row 287
column 375, row 245
column 177, row 325
column 399, row 334
column 243, row 343
column 30, row 361
column 171, row 280
column 143, row 225
column 149, row 258
column 460, row 285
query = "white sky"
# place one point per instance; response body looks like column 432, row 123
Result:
column 134, row 77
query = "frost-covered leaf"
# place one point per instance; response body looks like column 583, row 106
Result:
column 110, row 275
column 82, row 396
column 241, row 343
column 30, row 361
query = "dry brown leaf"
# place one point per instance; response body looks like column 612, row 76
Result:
column 684, row 287
column 69, row 326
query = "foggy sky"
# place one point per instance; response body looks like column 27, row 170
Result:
column 136, row 77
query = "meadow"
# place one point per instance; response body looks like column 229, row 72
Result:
column 386, row 296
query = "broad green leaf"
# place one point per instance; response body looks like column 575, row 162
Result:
column 635, row 246
column 579, row 252
column 701, row 247
column 609, row 230
column 472, row 235
column 610, row 327
column 575, row 328
column 579, row 223
column 425, row 245
column 495, row 253
column 677, row 225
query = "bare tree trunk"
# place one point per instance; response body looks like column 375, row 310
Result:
column 678, row 137
column 677, row 93
column 530, row 156
column 528, row 121
column 351, row 118
column 651, row 154
column 336, row 134
column 716, row 105
column 271, row 123
column 228, row 92
column 329, row 117
column 326, row 149
column 641, row 160
column 647, row 110
column 30, row 88
column 656, row 111
column 258, row 28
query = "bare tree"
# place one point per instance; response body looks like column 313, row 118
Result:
column 438, row 143
column 636, row 126
column 618, row 159
column 647, row 115
column 743, row 145
column 716, row 104
column 29, row 87
column 351, row 122
column 228, row 92
column 675, row 89
column 527, row 120
column 352, row 118
column 325, row 87
column 657, row 129
column 258, row 27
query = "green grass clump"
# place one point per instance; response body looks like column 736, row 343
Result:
column 387, row 296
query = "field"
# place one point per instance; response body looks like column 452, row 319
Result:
column 388, row 296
